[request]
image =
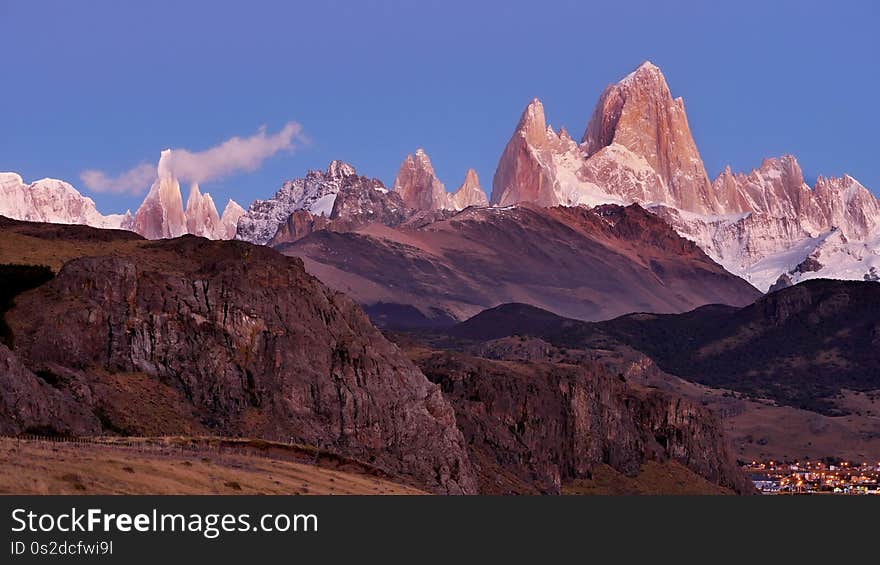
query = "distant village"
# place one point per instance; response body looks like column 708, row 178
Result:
column 814, row 477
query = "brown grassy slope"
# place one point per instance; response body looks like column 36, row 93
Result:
column 655, row 478
column 56, row 468
column 25, row 243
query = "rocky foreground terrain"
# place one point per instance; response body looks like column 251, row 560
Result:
column 799, row 346
column 794, row 375
column 195, row 337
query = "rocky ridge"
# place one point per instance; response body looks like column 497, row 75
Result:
column 231, row 338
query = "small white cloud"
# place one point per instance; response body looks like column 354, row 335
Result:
column 134, row 181
column 233, row 155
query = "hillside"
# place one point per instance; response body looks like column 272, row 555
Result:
column 591, row 264
column 799, row 346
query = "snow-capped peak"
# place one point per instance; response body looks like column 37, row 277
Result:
column 316, row 194
column 51, row 200
column 339, row 169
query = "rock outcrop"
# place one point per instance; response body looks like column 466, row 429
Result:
column 775, row 221
column 639, row 115
column 532, row 427
column 300, row 224
column 637, row 148
column 29, row 404
column 362, row 200
column 229, row 220
column 161, row 213
column 247, row 344
column 201, row 214
column 537, row 165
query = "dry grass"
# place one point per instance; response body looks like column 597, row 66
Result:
column 21, row 249
column 655, row 478
column 29, row 467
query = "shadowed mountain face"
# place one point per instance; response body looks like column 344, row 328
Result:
column 799, row 346
column 590, row 264
column 537, row 427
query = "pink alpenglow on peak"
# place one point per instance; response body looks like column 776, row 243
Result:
column 640, row 115
column 470, row 193
column 417, row 184
column 773, row 222
column 53, row 201
column 543, row 167
column 162, row 215
column 420, row 189
column 229, row 219
column 638, row 147
column 201, row 214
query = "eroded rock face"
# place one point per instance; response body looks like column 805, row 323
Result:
column 29, row 404
column 528, row 169
column 256, row 346
column 229, row 219
column 202, row 218
column 531, row 427
column 776, row 221
column 360, row 201
column 201, row 214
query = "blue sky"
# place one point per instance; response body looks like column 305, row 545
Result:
column 106, row 85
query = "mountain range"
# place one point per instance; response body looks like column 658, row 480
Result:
column 161, row 215
column 767, row 226
column 637, row 147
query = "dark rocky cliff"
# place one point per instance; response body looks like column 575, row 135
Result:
column 532, row 427
column 250, row 343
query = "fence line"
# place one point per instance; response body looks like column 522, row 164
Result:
column 170, row 446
